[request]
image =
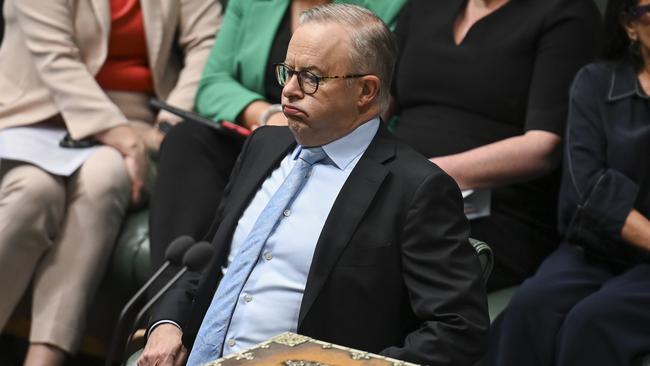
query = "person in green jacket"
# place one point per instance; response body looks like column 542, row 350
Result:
column 239, row 85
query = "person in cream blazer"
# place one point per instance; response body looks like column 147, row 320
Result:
column 58, row 231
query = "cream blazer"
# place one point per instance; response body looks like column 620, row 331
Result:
column 53, row 48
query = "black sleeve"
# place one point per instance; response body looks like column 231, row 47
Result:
column 569, row 41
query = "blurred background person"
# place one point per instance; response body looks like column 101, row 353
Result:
column 482, row 89
column 588, row 302
column 86, row 68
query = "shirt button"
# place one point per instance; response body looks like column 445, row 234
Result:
column 231, row 343
column 268, row 256
column 287, row 212
column 248, row 298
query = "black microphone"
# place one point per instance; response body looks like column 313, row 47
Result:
column 173, row 256
column 194, row 260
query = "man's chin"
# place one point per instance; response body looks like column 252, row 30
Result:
column 297, row 129
column 301, row 133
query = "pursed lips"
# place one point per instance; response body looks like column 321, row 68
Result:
column 293, row 111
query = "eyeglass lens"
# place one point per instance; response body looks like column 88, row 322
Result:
column 307, row 81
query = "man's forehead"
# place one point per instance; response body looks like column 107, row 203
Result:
column 315, row 44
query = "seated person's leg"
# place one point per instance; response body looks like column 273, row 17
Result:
column 67, row 277
column 32, row 204
column 525, row 334
column 609, row 327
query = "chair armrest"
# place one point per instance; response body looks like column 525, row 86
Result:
column 485, row 257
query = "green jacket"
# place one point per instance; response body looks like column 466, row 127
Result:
column 234, row 73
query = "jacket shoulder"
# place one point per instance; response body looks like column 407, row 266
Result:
column 409, row 164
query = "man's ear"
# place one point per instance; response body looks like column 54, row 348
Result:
column 369, row 91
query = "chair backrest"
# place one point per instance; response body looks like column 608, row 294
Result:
column 485, row 257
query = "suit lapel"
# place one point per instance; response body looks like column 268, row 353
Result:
column 347, row 212
column 102, row 11
column 251, row 177
column 152, row 16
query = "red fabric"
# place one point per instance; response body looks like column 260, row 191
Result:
column 126, row 66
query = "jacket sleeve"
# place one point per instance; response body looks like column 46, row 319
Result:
column 443, row 278
column 198, row 24
column 49, row 35
column 595, row 199
column 220, row 95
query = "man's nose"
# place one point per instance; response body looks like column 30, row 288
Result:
column 292, row 88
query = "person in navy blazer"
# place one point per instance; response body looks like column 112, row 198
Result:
column 393, row 271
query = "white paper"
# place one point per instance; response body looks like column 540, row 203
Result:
column 40, row 146
column 477, row 203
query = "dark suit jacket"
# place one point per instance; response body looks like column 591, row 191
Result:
column 393, row 272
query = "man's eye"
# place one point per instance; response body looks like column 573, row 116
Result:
column 311, row 78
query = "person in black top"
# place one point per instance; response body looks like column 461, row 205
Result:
column 482, row 89
column 588, row 303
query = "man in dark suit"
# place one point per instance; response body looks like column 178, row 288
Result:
column 371, row 252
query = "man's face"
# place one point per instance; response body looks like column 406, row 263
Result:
column 332, row 111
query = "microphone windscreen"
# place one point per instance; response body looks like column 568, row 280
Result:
column 198, row 256
column 177, row 248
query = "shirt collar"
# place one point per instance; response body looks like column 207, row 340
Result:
column 624, row 84
column 343, row 151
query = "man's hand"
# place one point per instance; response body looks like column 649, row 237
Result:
column 132, row 147
column 164, row 347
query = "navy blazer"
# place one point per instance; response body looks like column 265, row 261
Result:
column 607, row 166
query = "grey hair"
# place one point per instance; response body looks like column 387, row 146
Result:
column 374, row 49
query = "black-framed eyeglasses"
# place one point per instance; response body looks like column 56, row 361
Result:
column 307, row 80
column 638, row 11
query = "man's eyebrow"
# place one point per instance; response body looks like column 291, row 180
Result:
column 312, row 68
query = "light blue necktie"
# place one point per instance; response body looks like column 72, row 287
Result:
column 212, row 333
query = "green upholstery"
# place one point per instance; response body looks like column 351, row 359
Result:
column 498, row 300
column 128, row 269
column 131, row 263
column 133, row 360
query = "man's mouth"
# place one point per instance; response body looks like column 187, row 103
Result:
column 292, row 111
